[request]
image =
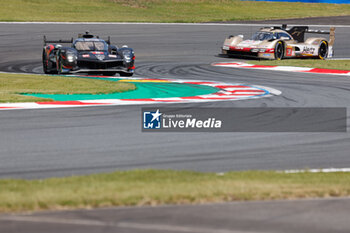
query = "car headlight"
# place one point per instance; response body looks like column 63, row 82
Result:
column 127, row 55
column 70, row 57
column 225, row 47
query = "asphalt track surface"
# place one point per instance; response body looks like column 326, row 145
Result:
column 311, row 216
column 62, row 142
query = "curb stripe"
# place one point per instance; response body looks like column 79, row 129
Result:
column 227, row 92
column 328, row 71
column 284, row 68
column 67, row 103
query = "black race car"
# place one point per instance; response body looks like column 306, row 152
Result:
column 87, row 54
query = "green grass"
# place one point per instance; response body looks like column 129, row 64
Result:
column 312, row 63
column 155, row 187
column 12, row 85
column 161, row 10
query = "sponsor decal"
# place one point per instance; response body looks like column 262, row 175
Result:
column 97, row 53
column 112, row 55
column 308, row 50
column 330, row 51
column 85, row 55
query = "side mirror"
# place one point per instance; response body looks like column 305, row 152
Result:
column 127, row 54
column 113, row 50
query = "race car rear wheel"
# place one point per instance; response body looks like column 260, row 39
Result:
column 323, row 50
column 279, row 50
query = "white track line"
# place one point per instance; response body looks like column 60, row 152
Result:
column 338, row 58
column 323, row 170
column 173, row 24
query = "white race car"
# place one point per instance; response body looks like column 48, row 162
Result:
column 281, row 42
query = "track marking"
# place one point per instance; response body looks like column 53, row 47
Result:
column 34, row 219
column 283, row 68
column 172, row 228
column 227, row 92
column 129, row 225
column 323, row 170
column 173, row 24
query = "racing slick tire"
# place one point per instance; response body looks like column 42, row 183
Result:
column 279, row 50
column 59, row 66
column 45, row 64
column 323, row 50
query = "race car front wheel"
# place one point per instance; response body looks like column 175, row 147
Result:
column 46, row 63
column 323, row 50
column 279, row 50
column 46, row 71
column 59, row 66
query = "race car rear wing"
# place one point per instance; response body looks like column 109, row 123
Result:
column 57, row 41
column 86, row 35
column 298, row 33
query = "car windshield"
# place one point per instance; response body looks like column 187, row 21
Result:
column 90, row 46
column 263, row 36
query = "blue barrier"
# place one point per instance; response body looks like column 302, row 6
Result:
column 310, row 1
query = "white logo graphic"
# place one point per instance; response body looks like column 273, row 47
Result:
column 151, row 120
column 100, row 57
